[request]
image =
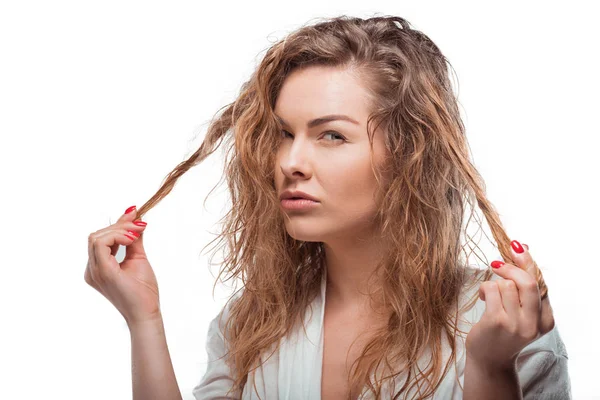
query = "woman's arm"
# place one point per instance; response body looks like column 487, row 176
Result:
column 151, row 368
column 482, row 383
column 540, row 374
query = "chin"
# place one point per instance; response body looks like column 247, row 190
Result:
column 304, row 231
column 305, row 236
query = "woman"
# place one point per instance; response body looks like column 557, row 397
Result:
column 349, row 172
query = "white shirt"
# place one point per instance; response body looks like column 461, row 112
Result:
column 294, row 371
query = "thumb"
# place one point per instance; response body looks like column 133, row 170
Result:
column 129, row 215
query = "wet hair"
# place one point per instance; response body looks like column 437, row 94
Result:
column 421, row 207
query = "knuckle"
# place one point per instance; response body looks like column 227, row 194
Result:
column 529, row 332
column 509, row 285
column 512, row 328
column 92, row 278
column 551, row 325
column 486, row 286
column 87, row 277
column 92, row 238
column 531, row 285
column 503, row 284
column 497, row 322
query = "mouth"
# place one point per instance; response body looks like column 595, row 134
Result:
column 298, row 204
column 297, row 195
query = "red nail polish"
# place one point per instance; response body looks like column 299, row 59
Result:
column 134, row 233
column 139, row 223
column 517, row 246
column 497, row 264
column 129, row 237
column 130, row 209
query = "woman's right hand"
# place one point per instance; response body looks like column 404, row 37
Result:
column 130, row 286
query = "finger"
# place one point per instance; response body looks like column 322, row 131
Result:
column 128, row 215
column 489, row 292
column 522, row 257
column 90, row 277
column 136, row 249
column 101, row 248
column 510, row 297
column 110, row 230
column 132, row 229
column 529, row 293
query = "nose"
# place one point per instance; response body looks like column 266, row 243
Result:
column 294, row 158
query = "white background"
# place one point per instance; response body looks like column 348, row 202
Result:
column 99, row 101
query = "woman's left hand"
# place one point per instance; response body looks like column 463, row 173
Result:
column 514, row 314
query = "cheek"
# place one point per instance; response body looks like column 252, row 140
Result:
column 353, row 185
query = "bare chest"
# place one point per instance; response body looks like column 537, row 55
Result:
column 345, row 336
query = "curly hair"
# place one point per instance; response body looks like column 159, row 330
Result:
column 421, row 209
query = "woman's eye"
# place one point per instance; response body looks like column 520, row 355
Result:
column 339, row 137
column 335, row 134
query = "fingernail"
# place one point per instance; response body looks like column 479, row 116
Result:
column 139, row 223
column 517, row 246
column 130, row 209
column 497, row 264
column 134, row 233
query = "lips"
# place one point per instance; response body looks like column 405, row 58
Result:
column 300, row 204
column 296, row 194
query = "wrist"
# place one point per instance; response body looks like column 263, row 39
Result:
column 146, row 323
column 490, row 382
column 493, row 369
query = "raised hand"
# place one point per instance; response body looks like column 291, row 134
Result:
column 514, row 315
column 130, row 286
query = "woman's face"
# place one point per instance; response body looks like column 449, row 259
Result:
column 329, row 160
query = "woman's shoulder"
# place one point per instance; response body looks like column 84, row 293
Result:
column 222, row 316
column 217, row 378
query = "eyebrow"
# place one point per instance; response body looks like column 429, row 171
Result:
column 322, row 120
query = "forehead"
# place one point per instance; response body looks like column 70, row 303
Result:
column 319, row 90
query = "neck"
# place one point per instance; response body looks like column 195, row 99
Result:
column 350, row 262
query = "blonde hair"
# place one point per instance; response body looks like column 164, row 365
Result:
column 420, row 209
